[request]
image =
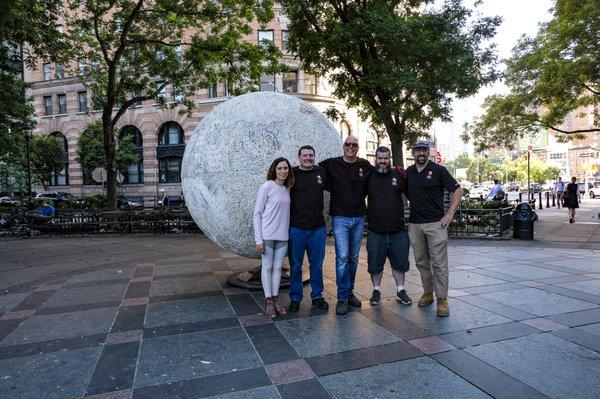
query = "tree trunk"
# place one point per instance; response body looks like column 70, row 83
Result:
column 111, row 161
column 396, row 135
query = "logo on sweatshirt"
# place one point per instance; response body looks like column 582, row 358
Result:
column 429, row 175
column 394, row 181
column 319, row 181
column 360, row 172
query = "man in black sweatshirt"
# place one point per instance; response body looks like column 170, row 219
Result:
column 307, row 229
column 347, row 177
column 387, row 237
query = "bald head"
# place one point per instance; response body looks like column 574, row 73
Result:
column 350, row 149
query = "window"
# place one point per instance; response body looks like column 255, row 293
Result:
column 170, row 170
column 345, row 129
column 290, row 82
column 62, row 103
column 134, row 174
column 60, row 71
column 212, row 91
column 558, row 155
column 179, row 52
column 81, row 67
column 177, row 95
column 310, row 83
column 267, row 83
column 170, row 134
column 61, row 177
column 83, row 103
column 48, row 109
column 264, row 36
column 47, row 68
column 284, row 41
column 162, row 94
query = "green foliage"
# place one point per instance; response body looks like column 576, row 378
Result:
column 539, row 171
column 95, row 201
column 46, row 156
column 550, row 75
column 482, row 169
column 461, row 161
column 401, row 62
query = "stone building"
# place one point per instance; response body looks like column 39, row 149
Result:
column 63, row 108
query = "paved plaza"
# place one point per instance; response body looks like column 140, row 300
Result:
column 153, row 317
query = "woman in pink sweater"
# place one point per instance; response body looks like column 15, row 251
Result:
column 271, row 226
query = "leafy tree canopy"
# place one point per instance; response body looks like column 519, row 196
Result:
column 47, row 155
column 401, row 62
column 550, row 76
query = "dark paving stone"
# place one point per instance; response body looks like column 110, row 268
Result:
column 191, row 295
column 460, row 279
column 63, row 374
column 270, row 344
column 538, row 302
column 549, row 364
column 291, row 371
column 413, row 378
column 565, row 279
column 115, row 368
column 129, row 318
column 499, row 275
column 309, row 389
column 403, row 328
column 485, row 377
column 583, row 338
column 492, row 288
column 51, row 346
column 244, row 305
column 117, row 273
column 63, row 325
column 361, row 358
column 577, row 318
column 571, row 293
column 322, row 335
column 85, row 295
column 207, row 386
column 173, row 270
column 9, row 301
column 591, row 287
column 143, row 272
column 93, row 284
column 179, row 357
column 198, row 275
column 34, row 300
column 485, row 335
column 463, row 316
column 590, row 329
column 138, row 290
column 77, row 308
column 153, row 332
column 187, row 310
column 184, row 285
column 8, row 326
column 527, row 272
column 269, row 392
column 496, row 307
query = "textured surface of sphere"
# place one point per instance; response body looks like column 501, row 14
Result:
column 227, row 158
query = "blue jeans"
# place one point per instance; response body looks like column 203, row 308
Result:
column 347, row 232
column 313, row 242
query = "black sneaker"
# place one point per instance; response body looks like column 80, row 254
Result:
column 375, row 298
column 353, row 301
column 403, row 298
column 294, row 306
column 341, row 308
column 320, row 304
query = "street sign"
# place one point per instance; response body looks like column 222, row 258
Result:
column 496, row 161
column 99, row 175
column 438, row 157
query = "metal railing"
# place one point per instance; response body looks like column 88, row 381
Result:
column 481, row 223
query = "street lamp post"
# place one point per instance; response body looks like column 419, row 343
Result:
column 529, row 173
column 28, row 140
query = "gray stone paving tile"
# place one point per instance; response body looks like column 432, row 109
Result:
column 184, row 285
column 527, row 272
column 590, row 328
column 62, row 325
column 491, row 288
column 408, row 378
column 101, row 275
column 63, row 374
column 86, row 295
column 578, row 337
column 322, row 335
column 569, row 370
column 9, row 301
column 200, row 354
column 538, row 302
column 478, row 336
column 591, row 287
column 187, row 310
column 579, row 264
column 186, row 268
column 307, row 389
column 463, row 279
column 577, row 318
column 495, row 307
column 463, row 316
column 269, row 392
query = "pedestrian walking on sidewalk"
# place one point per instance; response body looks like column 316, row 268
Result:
column 559, row 189
column 572, row 198
column 271, row 230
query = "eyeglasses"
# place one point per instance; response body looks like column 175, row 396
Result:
column 353, row 145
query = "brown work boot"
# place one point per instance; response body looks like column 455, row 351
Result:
column 442, row 307
column 426, row 299
column 270, row 308
column 280, row 310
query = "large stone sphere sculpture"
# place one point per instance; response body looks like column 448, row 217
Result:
column 227, row 158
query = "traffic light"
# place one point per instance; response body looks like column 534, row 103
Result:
column 438, row 157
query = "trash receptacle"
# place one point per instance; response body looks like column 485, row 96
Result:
column 523, row 217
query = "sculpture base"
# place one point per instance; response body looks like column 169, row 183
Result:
column 250, row 279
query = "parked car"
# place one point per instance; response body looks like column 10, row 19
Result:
column 53, row 196
column 536, row 188
column 8, row 201
column 477, row 191
column 125, row 201
column 512, row 186
column 172, row 200
column 594, row 189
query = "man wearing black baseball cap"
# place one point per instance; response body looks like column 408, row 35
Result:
column 428, row 223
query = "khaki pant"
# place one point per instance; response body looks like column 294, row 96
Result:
column 430, row 247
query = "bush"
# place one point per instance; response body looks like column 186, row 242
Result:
column 95, row 201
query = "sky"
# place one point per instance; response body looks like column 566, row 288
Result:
column 519, row 17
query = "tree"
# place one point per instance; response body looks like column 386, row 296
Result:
column 46, row 157
column 133, row 50
column 400, row 62
column 24, row 38
column 550, row 76
column 461, row 161
column 539, row 172
column 91, row 154
column 482, row 169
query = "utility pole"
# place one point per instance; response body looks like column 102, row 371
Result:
column 529, row 172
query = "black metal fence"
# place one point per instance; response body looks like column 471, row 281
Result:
column 481, row 223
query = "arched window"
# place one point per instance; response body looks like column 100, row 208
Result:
column 372, row 144
column 61, row 177
column 134, row 174
column 345, row 129
column 169, row 152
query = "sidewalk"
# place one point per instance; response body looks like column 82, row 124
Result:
column 153, row 317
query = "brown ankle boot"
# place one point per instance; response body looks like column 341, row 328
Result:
column 280, row 310
column 270, row 308
column 426, row 299
column 443, row 309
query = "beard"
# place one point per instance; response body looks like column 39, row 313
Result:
column 382, row 170
column 421, row 160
